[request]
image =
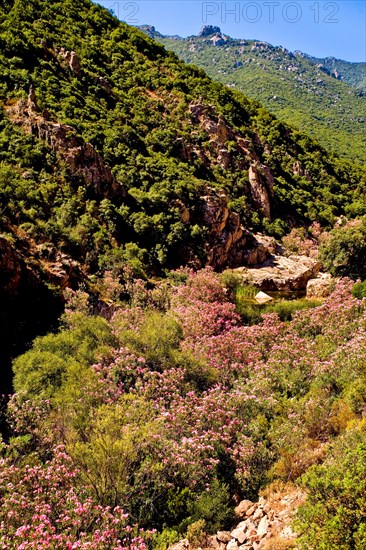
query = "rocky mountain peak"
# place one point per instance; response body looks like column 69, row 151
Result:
column 150, row 30
column 208, row 30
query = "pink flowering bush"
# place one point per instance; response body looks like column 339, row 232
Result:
column 173, row 408
column 42, row 507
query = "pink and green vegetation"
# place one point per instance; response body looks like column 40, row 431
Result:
column 174, row 408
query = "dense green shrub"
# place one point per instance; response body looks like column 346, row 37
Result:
column 359, row 290
column 175, row 413
column 344, row 252
column 334, row 515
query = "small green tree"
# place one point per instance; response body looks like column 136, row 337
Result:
column 344, row 253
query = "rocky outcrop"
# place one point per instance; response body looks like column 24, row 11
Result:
column 224, row 158
column 105, row 84
column 261, row 186
column 320, row 287
column 214, row 34
column 260, row 178
column 46, row 267
column 218, row 39
column 184, row 213
column 259, row 249
column 64, row 272
column 228, row 244
column 227, row 239
column 217, row 128
column 264, row 525
column 72, row 59
column 151, row 31
column 208, row 30
column 281, row 273
column 81, row 157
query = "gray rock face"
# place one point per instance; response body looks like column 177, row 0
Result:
column 208, row 30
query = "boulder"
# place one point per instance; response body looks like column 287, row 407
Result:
column 251, row 529
column 281, row 273
column 251, row 511
column 263, row 527
column 242, row 507
column 320, row 287
column 223, row 536
column 262, row 298
column 259, row 513
column 239, row 534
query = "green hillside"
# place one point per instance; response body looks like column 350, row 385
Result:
column 149, row 399
column 353, row 74
column 291, row 85
column 116, row 155
column 139, row 130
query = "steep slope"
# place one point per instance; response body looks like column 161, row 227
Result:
column 118, row 160
column 115, row 155
column 113, row 139
column 291, row 85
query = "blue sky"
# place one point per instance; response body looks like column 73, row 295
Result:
column 318, row 27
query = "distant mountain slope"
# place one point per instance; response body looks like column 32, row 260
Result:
column 290, row 85
column 109, row 139
column 117, row 157
column 353, row 74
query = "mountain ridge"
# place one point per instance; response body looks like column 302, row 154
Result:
column 299, row 89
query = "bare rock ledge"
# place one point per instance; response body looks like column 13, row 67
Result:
column 281, row 273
